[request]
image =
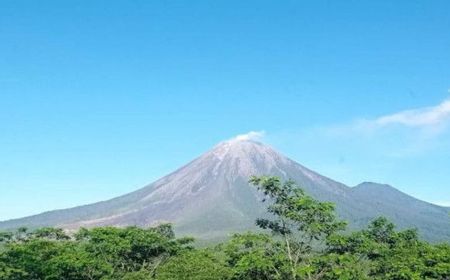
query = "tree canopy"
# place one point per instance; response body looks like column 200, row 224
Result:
column 300, row 238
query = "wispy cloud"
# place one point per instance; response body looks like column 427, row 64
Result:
column 405, row 133
column 429, row 121
column 252, row 135
column 429, row 116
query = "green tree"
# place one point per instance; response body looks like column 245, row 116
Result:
column 194, row 265
column 50, row 233
column 137, row 275
column 331, row 266
column 11, row 273
column 94, row 254
column 132, row 248
column 74, row 263
column 5, row 237
column 30, row 257
column 298, row 219
column 393, row 255
column 256, row 256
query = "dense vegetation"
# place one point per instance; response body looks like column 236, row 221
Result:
column 302, row 240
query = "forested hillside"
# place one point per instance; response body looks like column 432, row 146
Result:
column 302, row 239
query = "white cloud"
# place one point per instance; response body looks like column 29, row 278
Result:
column 430, row 121
column 408, row 133
column 252, row 135
column 424, row 117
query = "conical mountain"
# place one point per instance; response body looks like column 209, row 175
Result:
column 210, row 197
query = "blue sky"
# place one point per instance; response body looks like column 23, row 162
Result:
column 98, row 98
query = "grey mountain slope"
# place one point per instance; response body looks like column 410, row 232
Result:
column 210, row 198
column 402, row 208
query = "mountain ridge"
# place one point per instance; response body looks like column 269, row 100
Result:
column 210, row 196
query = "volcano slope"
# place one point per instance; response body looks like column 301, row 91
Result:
column 210, row 198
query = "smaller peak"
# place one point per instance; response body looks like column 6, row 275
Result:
column 374, row 185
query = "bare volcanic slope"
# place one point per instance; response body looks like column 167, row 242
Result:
column 210, row 198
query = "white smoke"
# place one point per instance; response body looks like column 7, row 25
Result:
column 252, row 135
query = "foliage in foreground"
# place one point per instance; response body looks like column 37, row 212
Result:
column 303, row 240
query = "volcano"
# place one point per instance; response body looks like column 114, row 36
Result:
column 210, row 197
